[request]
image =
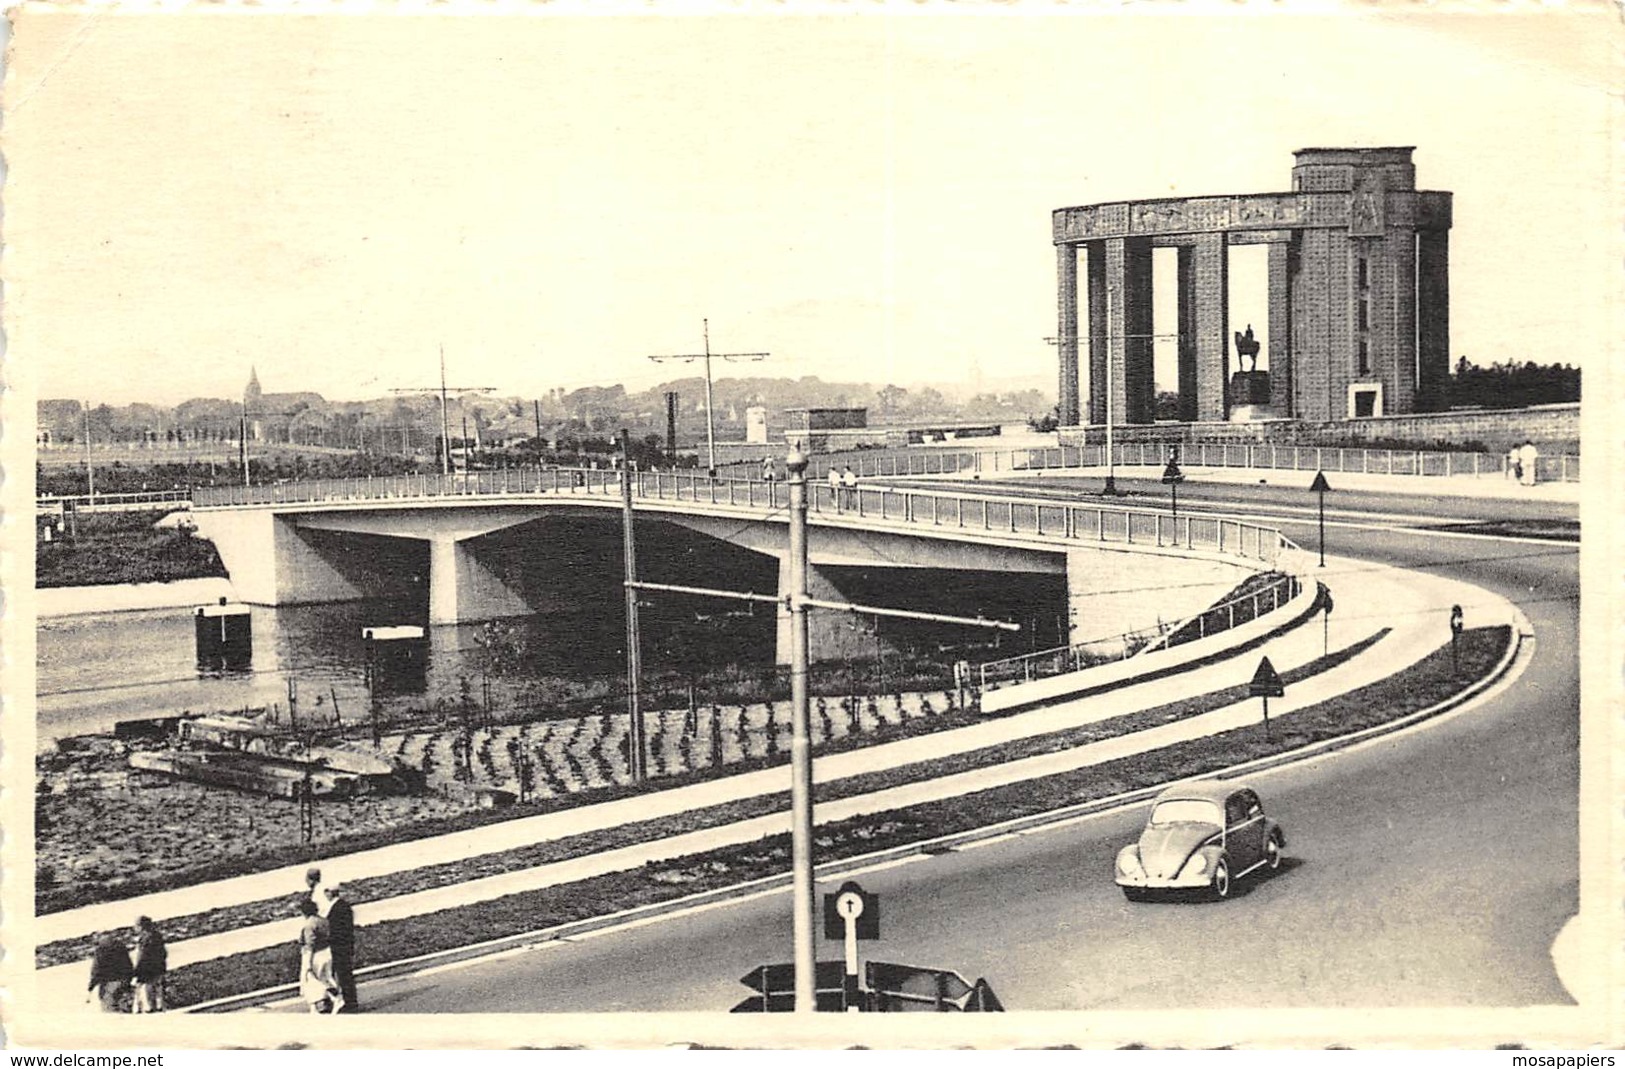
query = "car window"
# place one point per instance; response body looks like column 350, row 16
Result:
column 1234, row 809
column 1252, row 804
column 1186, row 811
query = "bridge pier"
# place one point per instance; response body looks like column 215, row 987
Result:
column 462, row 588
column 830, row 635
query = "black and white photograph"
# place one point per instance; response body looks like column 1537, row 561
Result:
column 642, row 525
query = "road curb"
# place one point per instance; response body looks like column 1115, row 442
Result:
column 1519, row 626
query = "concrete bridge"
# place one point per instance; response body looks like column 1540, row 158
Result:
column 1123, row 568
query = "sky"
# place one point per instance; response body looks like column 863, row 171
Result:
column 552, row 198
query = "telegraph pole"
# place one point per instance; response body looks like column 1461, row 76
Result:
column 634, row 660
column 801, row 782
column 710, row 413
column 90, row 467
column 445, row 418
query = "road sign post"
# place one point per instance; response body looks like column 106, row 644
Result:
column 1172, row 477
column 1457, row 622
column 850, row 904
column 1266, row 684
column 1320, row 486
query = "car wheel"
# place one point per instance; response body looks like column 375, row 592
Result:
column 1221, row 879
column 1272, row 851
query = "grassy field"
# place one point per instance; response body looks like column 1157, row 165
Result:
column 1424, row 684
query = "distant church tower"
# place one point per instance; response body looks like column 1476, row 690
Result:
column 251, row 401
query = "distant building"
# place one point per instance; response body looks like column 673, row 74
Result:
column 272, row 417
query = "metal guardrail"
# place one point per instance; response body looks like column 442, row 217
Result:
column 886, row 463
column 1054, row 521
column 1120, row 647
column 129, row 499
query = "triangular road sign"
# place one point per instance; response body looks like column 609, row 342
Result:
column 1266, row 682
column 1172, row 474
column 1320, row 485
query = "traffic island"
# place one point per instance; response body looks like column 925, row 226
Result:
column 1437, row 682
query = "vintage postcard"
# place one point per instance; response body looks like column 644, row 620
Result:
column 548, row 525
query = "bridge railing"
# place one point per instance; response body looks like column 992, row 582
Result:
column 1053, row 521
column 1120, row 647
column 891, row 463
column 123, row 500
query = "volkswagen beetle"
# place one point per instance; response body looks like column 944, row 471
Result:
column 1202, row 834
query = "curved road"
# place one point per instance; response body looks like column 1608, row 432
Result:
column 1430, row 869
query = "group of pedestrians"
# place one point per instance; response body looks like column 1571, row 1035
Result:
column 1521, row 462
column 327, row 947
column 122, row 984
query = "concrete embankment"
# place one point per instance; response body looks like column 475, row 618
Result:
column 128, row 597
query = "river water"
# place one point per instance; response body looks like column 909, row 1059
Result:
column 98, row 669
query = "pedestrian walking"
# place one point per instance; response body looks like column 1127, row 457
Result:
column 1528, row 456
column 110, row 973
column 849, row 483
column 835, row 487
column 769, row 473
column 341, row 936
column 1514, row 465
column 317, row 985
column 151, row 966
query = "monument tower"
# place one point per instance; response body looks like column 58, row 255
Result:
column 1359, row 317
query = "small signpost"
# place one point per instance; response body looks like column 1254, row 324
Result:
column 1320, row 486
column 1266, row 684
column 851, row 914
column 1172, row 477
column 1457, row 622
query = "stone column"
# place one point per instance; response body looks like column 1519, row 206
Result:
column 1433, row 320
column 1066, row 341
column 1397, row 318
column 1139, row 366
column 1280, row 313
column 1128, row 329
column 1187, row 333
column 443, row 580
column 1211, row 273
column 1097, row 332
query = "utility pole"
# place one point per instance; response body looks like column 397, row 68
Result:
column 801, row 781
column 90, row 467
column 794, row 598
column 634, row 659
column 445, row 419
column 710, row 413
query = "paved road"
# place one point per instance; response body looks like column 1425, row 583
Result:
column 1273, row 498
column 1434, row 868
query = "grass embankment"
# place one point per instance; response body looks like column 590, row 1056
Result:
column 1419, row 687
column 432, row 876
column 124, row 547
column 1551, row 530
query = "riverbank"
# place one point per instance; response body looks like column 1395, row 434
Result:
column 123, row 549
